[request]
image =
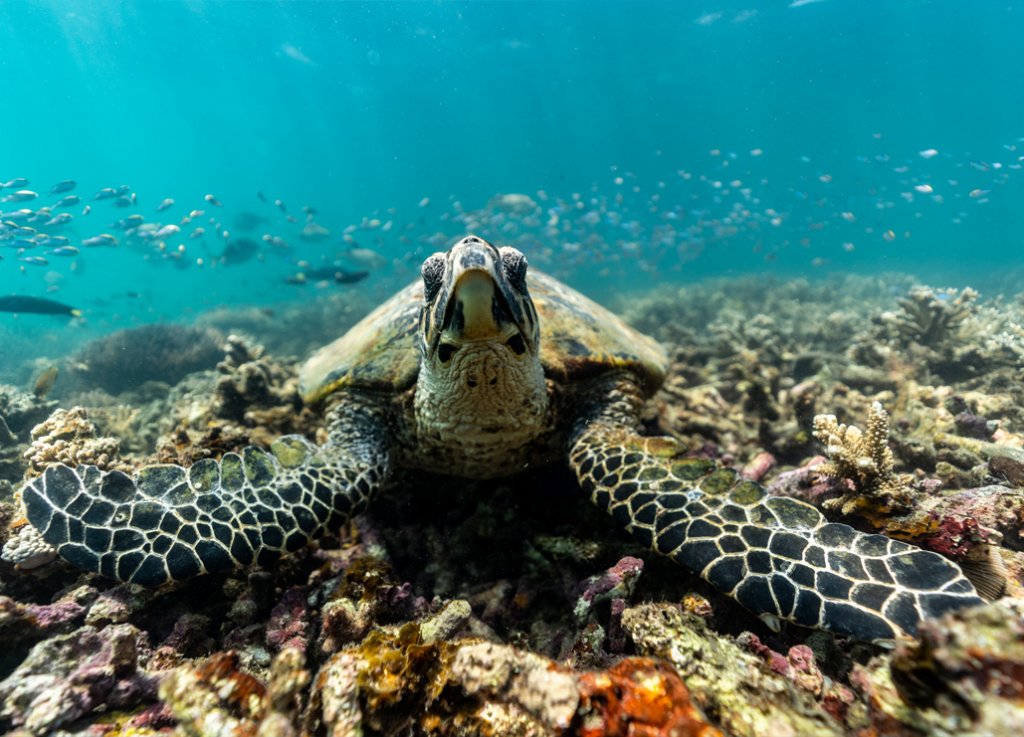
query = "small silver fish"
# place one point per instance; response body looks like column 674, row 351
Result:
column 15, row 183
column 22, row 195
column 167, row 231
column 105, row 194
column 132, row 221
column 164, row 204
column 212, row 200
column 61, row 219
column 87, row 209
column 197, row 233
column 281, row 207
column 68, row 200
column 66, row 186
column 125, row 200
column 276, row 241
column 34, row 260
column 63, row 251
column 103, row 239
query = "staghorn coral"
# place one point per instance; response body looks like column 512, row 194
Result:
column 934, row 318
column 863, row 460
column 161, row 352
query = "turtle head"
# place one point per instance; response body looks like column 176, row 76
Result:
column 480, row 370
column 475, row 296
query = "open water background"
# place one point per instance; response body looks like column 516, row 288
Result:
column 666, row 141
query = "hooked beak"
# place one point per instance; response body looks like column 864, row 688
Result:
column 481, row 305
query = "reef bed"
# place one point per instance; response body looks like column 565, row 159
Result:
column 513, row 607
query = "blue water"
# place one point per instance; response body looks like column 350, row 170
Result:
column 656, row 116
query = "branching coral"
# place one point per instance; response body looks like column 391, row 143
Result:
column 862, row 459
column 934, row 318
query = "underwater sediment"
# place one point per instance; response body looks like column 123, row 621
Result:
column 512, row 607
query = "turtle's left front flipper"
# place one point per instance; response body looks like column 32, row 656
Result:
column 168, row 523
column 778, row 557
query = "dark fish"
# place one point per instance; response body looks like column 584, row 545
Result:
column 328, row 273
column 35, row 305
column 263, row 197
column 248, row 220
column 44, row 382
column 238, row 251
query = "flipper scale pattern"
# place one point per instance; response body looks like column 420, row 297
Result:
column 169, row 523
column 778, row 557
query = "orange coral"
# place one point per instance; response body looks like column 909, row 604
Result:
column 638, row 697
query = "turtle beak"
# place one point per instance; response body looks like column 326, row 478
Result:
column 470, row 299
column 481, row 303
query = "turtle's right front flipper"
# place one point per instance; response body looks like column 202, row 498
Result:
column 168, row 523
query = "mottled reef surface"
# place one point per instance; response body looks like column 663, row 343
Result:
column 512, row 607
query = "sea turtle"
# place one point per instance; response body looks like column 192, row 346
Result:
column 479, row 371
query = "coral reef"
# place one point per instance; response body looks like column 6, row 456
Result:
column 19, row 412
column 254, row 400
column 964, row 675
column 129, row 358
column 864, row 460
column 67, row 436
column 511, row 607
column 67, row 676
column 748, row 697
column 934, row 319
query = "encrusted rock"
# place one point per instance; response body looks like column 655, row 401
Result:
column 964, row 676
column 746, row 698
column 68, row 676
column 68, row 437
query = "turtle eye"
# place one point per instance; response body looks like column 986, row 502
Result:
column 433, row 275
column 513, row 263
column 445, row 351
column 516, row 344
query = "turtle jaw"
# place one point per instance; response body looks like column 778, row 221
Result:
column 471, row 299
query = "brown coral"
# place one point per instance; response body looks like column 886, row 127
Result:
column 129, row 358
column 863, row 460
column 68, row 437
column 934, row 318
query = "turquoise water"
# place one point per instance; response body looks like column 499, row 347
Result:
column 657, row 141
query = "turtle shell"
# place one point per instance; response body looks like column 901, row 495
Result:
column 579, row 339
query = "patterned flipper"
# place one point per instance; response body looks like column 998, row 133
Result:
column 168, row 523
column 778, row 557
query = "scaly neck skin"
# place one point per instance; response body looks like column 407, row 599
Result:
column 482, row 398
